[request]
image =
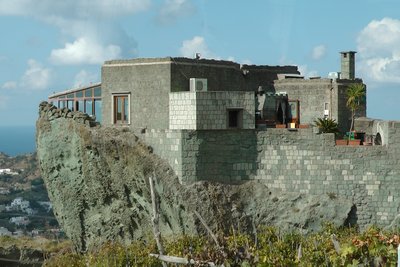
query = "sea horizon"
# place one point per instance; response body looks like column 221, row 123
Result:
column 17, row 140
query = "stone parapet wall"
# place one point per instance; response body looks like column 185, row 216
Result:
column 292, row 161
column 51, row 112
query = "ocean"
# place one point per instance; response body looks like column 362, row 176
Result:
column 17, row 140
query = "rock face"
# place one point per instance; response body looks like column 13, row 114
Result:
column 97, row 179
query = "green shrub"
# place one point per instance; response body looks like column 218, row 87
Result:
column 273, row 248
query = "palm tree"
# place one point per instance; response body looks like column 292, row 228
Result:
column 355, row 97
column 327, row 125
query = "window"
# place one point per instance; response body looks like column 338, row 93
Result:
column 79, row 94
column 97, row 91
column 86, row 100
column 121, row 109
column 235, row 118
column 88, row 93
column 97, row 108
column 80, row 105
column 88, row 107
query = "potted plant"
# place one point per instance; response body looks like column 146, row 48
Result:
column 326, row 125
column 355, row 98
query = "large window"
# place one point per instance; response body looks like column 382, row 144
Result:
column 97, row 108
column 121, row 109
column 87, row 100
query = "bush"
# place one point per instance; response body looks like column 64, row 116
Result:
column 270, row 247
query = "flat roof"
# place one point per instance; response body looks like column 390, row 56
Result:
column 139, row 61
column 69, row 91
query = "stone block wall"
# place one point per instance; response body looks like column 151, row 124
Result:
column 168, row 145
column 182, row 110
column 220, row 155
column 311, row 164
column 292, row 161
column 212, row 109
column 209, row 110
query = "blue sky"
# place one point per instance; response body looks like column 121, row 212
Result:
column 54, row 45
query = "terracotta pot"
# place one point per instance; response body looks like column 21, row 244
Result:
column 341, row 142
column 304, row 126
column 355, row 142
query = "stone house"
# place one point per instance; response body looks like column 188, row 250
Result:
column 19, row 221
column 5, row 232
column 202, row 94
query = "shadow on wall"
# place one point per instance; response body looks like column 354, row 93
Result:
column 226, row 155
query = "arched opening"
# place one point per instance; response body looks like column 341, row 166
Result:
column 378, row 140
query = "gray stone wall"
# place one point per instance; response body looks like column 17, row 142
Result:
column 147, row 81
column 312, row 95
column 223, row 155
column 168, row 145
column 224, row 75
column 182, row 110
column 220, row 75
column 209, row 110
column 294, row 161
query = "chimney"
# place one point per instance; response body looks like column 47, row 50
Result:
column 348, row 65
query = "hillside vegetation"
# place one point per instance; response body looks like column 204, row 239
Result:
column 267, row 247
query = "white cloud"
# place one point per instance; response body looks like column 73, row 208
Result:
column 196, row 45
column 84, row 78
column 303, row 69
column 86, row 25
column 318, row 52
column 75, row 9
column 36, row 77
column 173, row 9
column 84, row 51
column 9, row 85
column 378, row 45
column 246, row 62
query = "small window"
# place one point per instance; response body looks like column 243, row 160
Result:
column 97, row 91
column 79, row 94
column 326, row 106
column 345, row 55
column 88, row 93
column 121, row 109
column 235, row 118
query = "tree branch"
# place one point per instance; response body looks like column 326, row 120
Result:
column 155, row 219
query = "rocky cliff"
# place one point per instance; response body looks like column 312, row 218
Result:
column 97, row 179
